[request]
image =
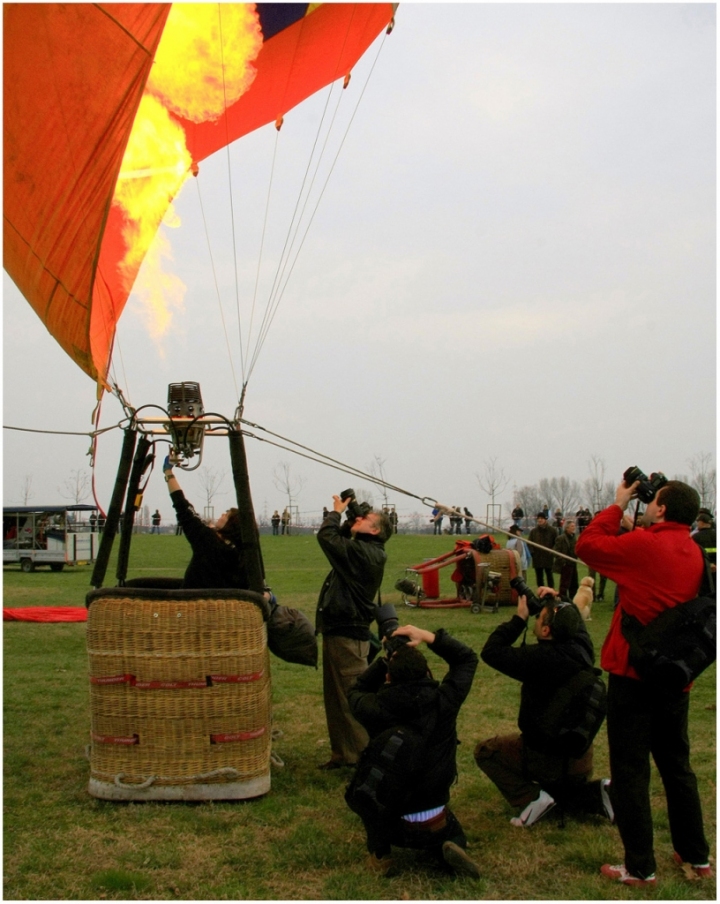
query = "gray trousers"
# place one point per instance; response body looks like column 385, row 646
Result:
column 344, row 660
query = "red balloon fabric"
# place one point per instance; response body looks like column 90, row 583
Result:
column 74, row 76
column 46, row 614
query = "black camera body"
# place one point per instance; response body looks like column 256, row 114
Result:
column 387, row 620
column 648, row 487
column 355, row 509
column 534, row 603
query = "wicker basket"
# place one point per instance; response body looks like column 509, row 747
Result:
column 506, row 562
column 179, row 694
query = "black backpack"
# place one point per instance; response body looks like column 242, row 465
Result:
column 677, row 646
column 574, row 715
column 387, row 773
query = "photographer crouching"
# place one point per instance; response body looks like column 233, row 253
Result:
column 535, row 769
column 401, row 787
column 356, row 552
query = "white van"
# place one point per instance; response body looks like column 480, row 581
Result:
column 54, row 535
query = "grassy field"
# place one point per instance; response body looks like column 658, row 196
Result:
column 300, row 841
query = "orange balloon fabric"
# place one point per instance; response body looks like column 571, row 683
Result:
column 74, row 76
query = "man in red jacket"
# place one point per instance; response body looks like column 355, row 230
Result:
column 655, row 568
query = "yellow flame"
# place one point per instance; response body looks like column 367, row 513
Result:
column 202, row 66
column 157, row 146
column 204, row 61
column 160, row 294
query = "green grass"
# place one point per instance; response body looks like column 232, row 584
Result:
column 300, row 841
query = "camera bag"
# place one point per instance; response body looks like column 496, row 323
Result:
column 291, row 636
column 574, row 715
column 677, row 646
column 386, row 776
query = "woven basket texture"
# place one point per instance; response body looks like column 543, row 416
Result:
column 201, row 640
column 505, row 562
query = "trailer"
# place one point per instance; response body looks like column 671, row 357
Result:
column 54, row 535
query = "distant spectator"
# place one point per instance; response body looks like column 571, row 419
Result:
column 705, row 535
column 517, row 515
column 156, row 519
column 568, row 572
column 468, row 520
column 437, row 520
column 456, row 521
column 275, row 521
column 558, row 523
column 545, row 535
column 521, row 548
column 285, row 521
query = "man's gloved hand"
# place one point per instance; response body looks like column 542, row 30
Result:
column 167, row 464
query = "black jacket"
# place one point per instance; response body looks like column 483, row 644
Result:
column 215, row 562
column 347, row 599
column 541, row 667
column 707, row 538
column 378, row 706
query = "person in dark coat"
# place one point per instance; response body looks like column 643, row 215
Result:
column 346, row 606
column 217, row 560
column 706, row 535
column 544, row 534
column 400, row 691
column 568, row 572
column 528, row 774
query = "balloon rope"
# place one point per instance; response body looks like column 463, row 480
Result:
column 230, row 192
column 326, row 460
column 322, row 459
column 217, row 287
column 260, row 255
column 285, row 253
column 281, row 290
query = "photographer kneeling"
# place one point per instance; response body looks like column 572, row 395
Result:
column 401, row 787
column 531, row 769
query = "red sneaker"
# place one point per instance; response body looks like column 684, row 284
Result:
column 620, row 874
column 693, row 870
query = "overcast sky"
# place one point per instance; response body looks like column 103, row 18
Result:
column 514, row 258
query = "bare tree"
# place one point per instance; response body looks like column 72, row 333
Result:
column 595, row 483
column 546, row 489
column 76, row 487
column 493, row 480
column 704, row 478
column 567, row 493
column 376, row 469
column 287, row 483
column 211, row 480
column 528, row 498
column 26, row 490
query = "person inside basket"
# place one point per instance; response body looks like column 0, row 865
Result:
column 217, row 560
column 528, row 768
column 401, row 787
column 654, row 569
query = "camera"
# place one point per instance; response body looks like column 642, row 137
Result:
column 387, row 622
column 648, row 487
column 534, row 603
column 355, row 509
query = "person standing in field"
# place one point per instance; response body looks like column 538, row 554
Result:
column 655, row 568
column 542, row 559
column 346, row 606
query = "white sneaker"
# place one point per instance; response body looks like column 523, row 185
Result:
column 535, row 810
column 606, row 802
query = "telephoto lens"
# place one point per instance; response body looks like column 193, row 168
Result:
column 534, row 603
column 387, row 622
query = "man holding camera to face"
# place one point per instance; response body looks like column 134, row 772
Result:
column 531, row 769
column 401, row 787
column 356, row 552
column 655, row 568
